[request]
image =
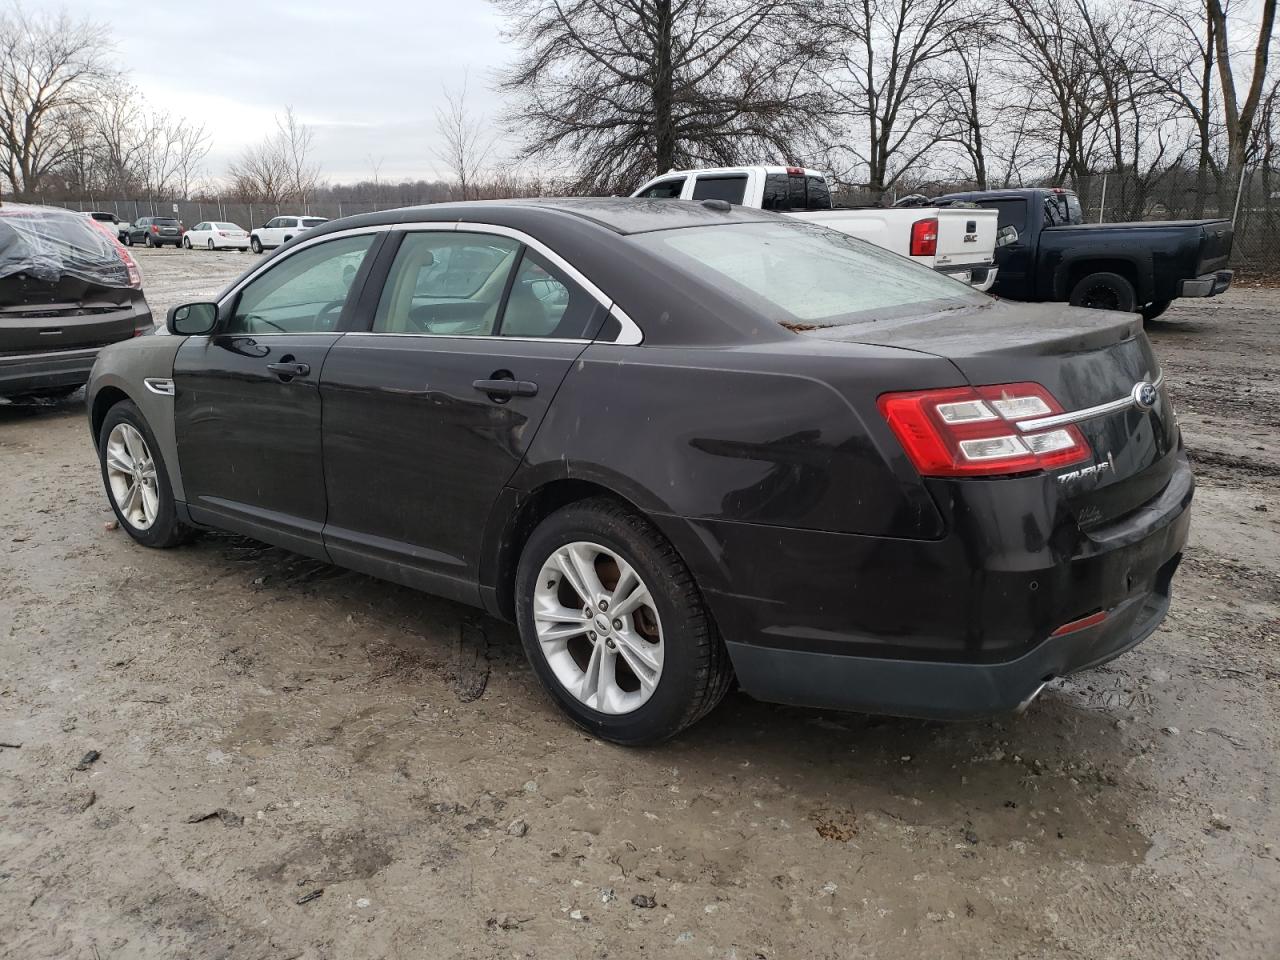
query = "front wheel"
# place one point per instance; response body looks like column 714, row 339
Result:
column 1104, row 291
column 134, row 474
column 256, row 244
column 186, row 242
column 211, row 246
column 615, row 626
column 128, row 240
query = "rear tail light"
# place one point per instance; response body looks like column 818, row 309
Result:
column 154, row 228
column 223, row 233
column 973, row 431
column 924, row 237
column 135, row 275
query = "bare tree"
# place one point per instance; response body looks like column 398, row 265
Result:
column 49, row 67
column 192, row 142
column 465, row 145
column 294, row 140
column 624, row 87
column 1240, row 116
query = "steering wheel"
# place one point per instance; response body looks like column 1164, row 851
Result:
column 323, row 321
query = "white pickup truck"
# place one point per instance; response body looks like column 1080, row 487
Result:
column 959, row 242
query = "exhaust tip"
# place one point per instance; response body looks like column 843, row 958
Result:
column 1022, row 707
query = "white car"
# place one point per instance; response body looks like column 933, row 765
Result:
column 216, row 235
column 959, row 242
column 281, row 230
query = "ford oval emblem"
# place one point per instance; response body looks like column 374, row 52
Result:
column 1145, row 395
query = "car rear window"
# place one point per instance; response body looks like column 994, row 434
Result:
column 165, row 221
column 804, row 276
column 225, row 226
column 313, row 221
column 731, row 188
column 48, row 243
column 795, row 191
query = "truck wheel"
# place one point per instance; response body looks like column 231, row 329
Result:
column 1104, row 291
column 615, row 626
column 1153, row 310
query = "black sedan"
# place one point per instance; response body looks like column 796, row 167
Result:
column 678, row 444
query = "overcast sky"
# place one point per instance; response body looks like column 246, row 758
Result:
column 365, row 74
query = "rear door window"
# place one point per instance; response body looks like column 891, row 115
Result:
column 543, row 302
column 1011, row 213
column 731, row 188
column 664, row 190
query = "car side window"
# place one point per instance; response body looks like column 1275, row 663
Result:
column 303, row 293
column 664, row 190
column 272, row 224
column 731, row 188
column 446, row 284
column 543, row 302
column 1011, row 213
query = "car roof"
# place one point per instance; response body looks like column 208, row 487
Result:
column 727, row 171
column 619, row 215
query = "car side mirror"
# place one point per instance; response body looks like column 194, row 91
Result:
column 1007, row 236
column 192, row 319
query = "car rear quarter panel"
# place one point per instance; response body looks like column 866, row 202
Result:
column 783, row 434
column 123, row 369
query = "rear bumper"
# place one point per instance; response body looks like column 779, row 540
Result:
column 1209, row 285
column 981, row 278
column 33, row 372
column 954, row 628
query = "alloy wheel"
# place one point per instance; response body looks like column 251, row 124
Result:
column 598, row 628
column 131, row 474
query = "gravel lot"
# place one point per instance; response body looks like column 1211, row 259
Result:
column 407, row 791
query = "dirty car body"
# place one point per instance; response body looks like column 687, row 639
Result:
column 67, row 289
column 892, row 493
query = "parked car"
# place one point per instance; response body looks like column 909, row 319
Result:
column 674, row 442
column 154, row 232
column 956, row 242
column 281, row 230
column 66, row 288
column 216, row 235
column 115, row 224
column 1139, row 267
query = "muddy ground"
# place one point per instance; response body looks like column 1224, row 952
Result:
column 407, row 791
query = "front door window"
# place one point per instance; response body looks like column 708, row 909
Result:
column 305, row 292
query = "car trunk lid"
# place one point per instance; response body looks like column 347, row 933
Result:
column 1085, row 358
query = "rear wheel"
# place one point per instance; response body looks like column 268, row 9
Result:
column 1104, row 291
column 1153, row 310
column 134, row 474
column 615, row 627
column 211, row 246
column 186, row 242
column 128, row 240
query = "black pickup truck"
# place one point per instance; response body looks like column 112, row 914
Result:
column 1136, row 267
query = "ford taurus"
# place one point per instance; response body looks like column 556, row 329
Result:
column 677, row 444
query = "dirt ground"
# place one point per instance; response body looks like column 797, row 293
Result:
column 375, row 773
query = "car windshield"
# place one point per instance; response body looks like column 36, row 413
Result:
column 313, row 221
column 803, row 276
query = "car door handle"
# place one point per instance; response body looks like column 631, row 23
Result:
column 507, row 388
column 289, row 369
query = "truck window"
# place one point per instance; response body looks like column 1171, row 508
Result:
column 664, row 190
column 732, row 188
column 786, row 192
column 1062, row 209
column 1012, row 213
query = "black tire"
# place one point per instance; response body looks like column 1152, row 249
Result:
column 211, row 246
column 128, row 240
column 166, row 529
column 186, row 242
column 151, row 244
column 1104, row 291
column 256, row 244
column 1153, row 310
column 695, row 671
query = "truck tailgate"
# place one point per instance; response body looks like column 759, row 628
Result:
column 965, row 238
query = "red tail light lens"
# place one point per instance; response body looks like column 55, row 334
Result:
column 154, row 228
column 924, row 237
column 973, row 431
column 135, row 275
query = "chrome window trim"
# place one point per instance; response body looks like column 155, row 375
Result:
column 629, row 335
column 1088, row 413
